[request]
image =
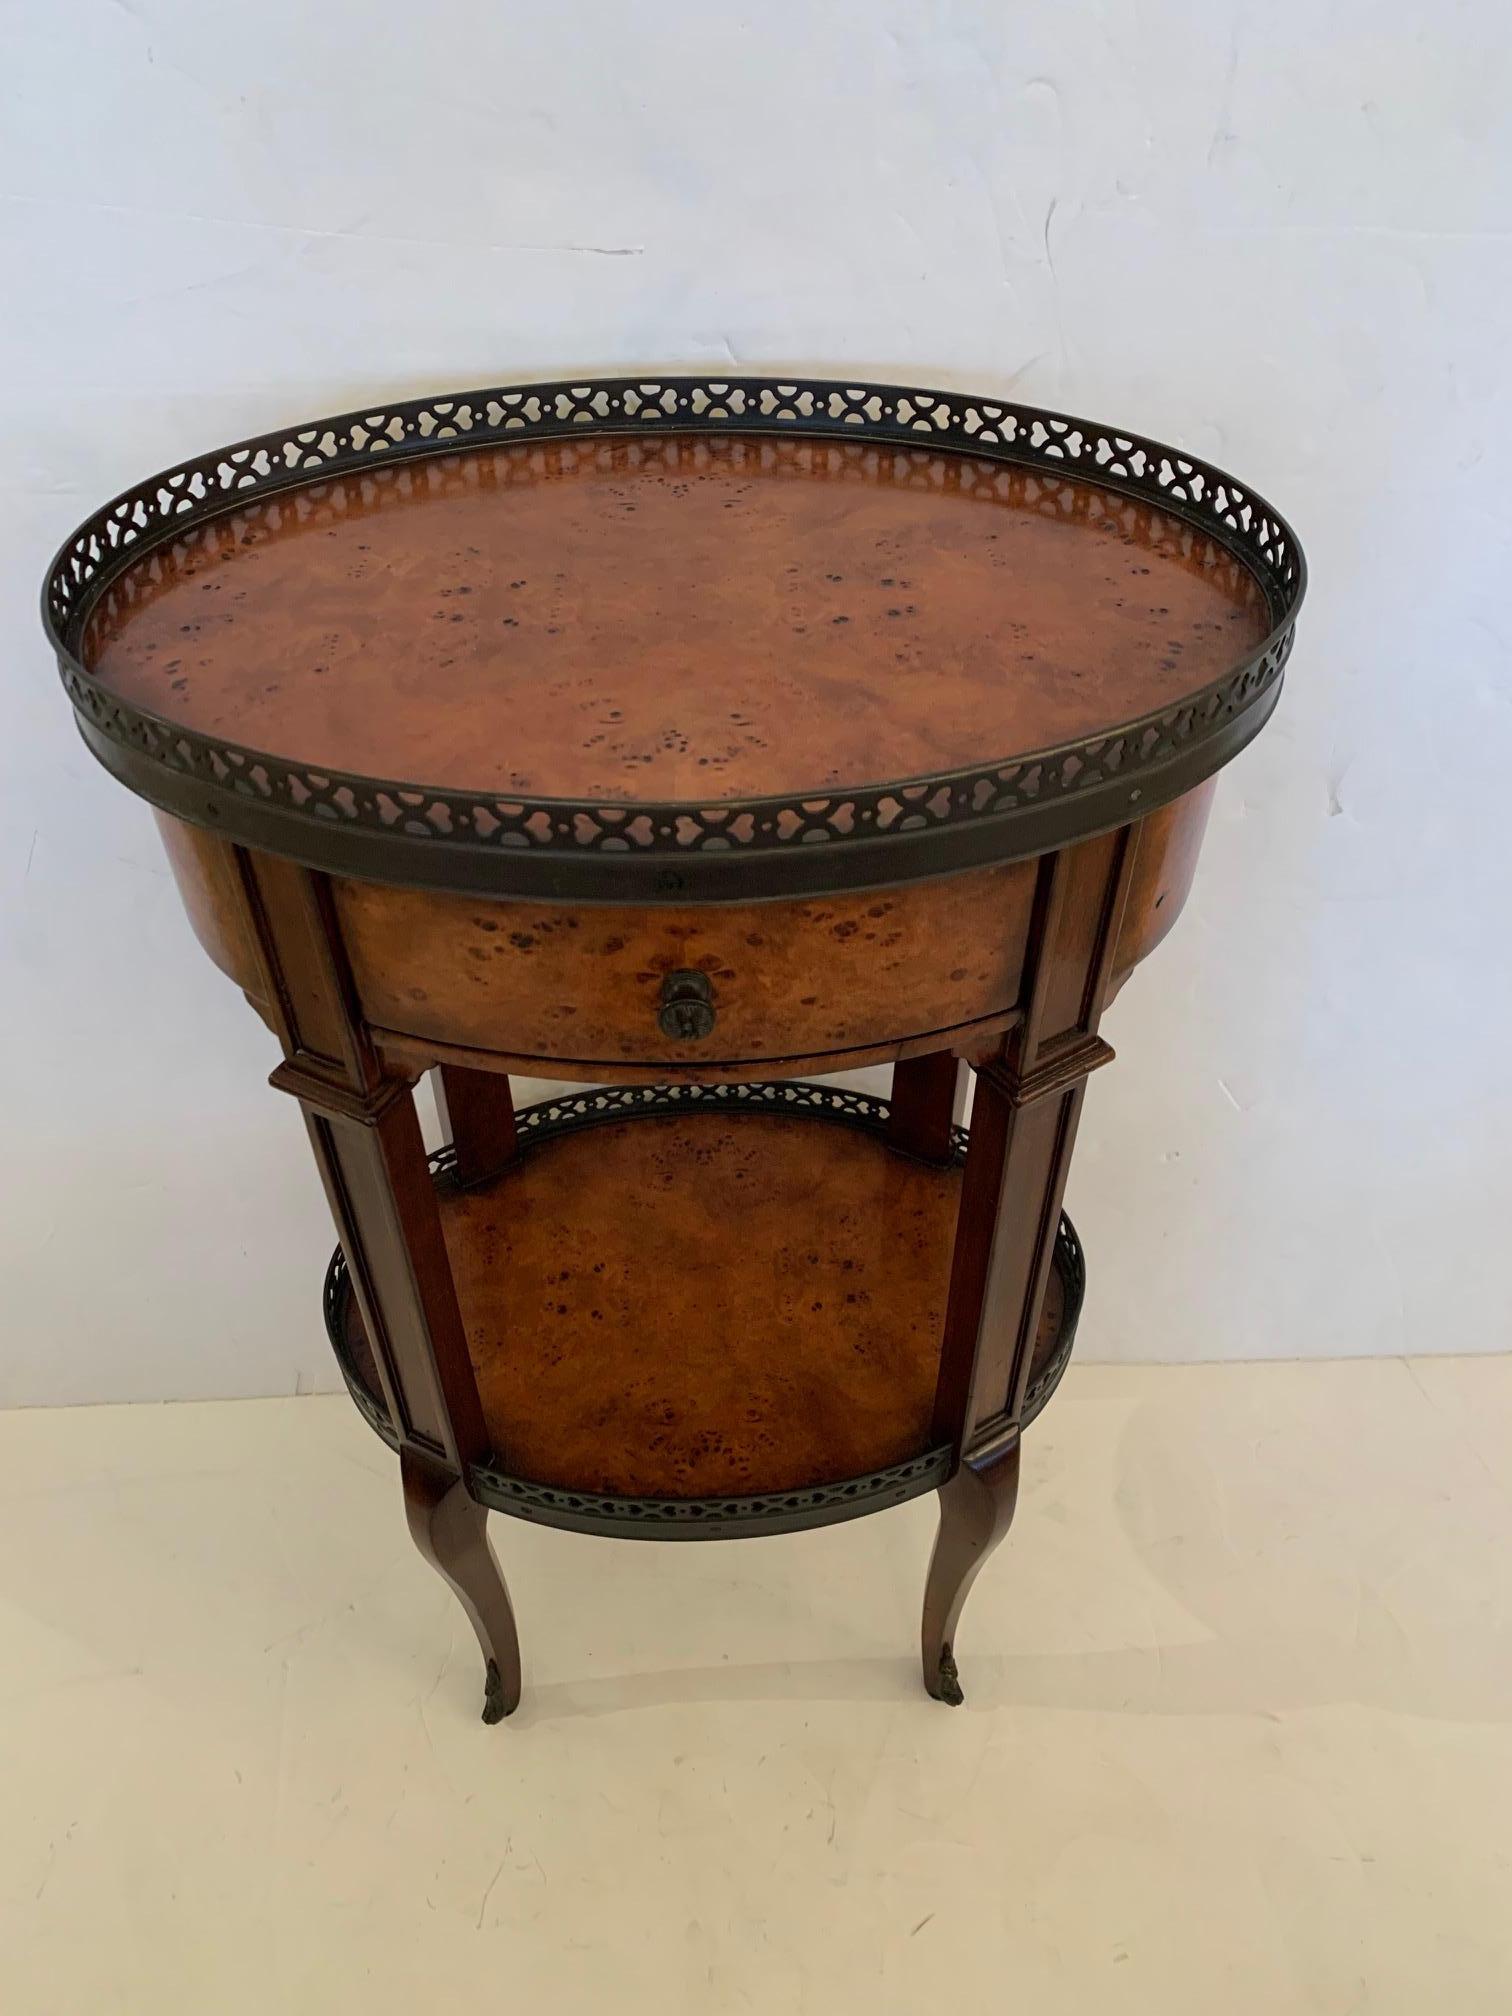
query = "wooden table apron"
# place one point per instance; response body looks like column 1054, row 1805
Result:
column 697, row 963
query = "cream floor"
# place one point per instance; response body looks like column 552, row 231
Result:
column 1236, row 1739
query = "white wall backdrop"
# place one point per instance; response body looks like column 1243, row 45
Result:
column 1276, row 234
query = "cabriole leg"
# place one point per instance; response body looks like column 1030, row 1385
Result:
column 366, row 1136
column 451, row 1531
column 1023, row 1127
column 976, row 1510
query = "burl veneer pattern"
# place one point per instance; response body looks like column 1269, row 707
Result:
column 1165, row 864
column 580, row 985
column 687, row 619
column 695, row 1306
column 584, row 983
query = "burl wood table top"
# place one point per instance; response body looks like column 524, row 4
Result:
column 685, row 618
column 596, row 643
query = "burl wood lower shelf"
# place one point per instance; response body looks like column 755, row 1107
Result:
column 701, row 1308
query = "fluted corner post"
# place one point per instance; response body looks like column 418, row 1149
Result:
column 366, row 1136
column 1029, row 1092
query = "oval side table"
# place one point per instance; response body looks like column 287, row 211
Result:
column 686, row 737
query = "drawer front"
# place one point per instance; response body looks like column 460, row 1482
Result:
column 749, row 983
column 706, row 984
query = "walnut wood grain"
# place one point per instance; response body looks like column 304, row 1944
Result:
column 976, row 1510
column 451, row 1531
column 366, row 1138
column 1023, row 1128
column 928, row 1100
column 1028, row 1103
column 476, row 1112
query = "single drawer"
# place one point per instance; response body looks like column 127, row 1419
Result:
column 704, row 984
column 626, row 990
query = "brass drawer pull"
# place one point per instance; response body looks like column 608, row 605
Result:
column 687, row 1007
